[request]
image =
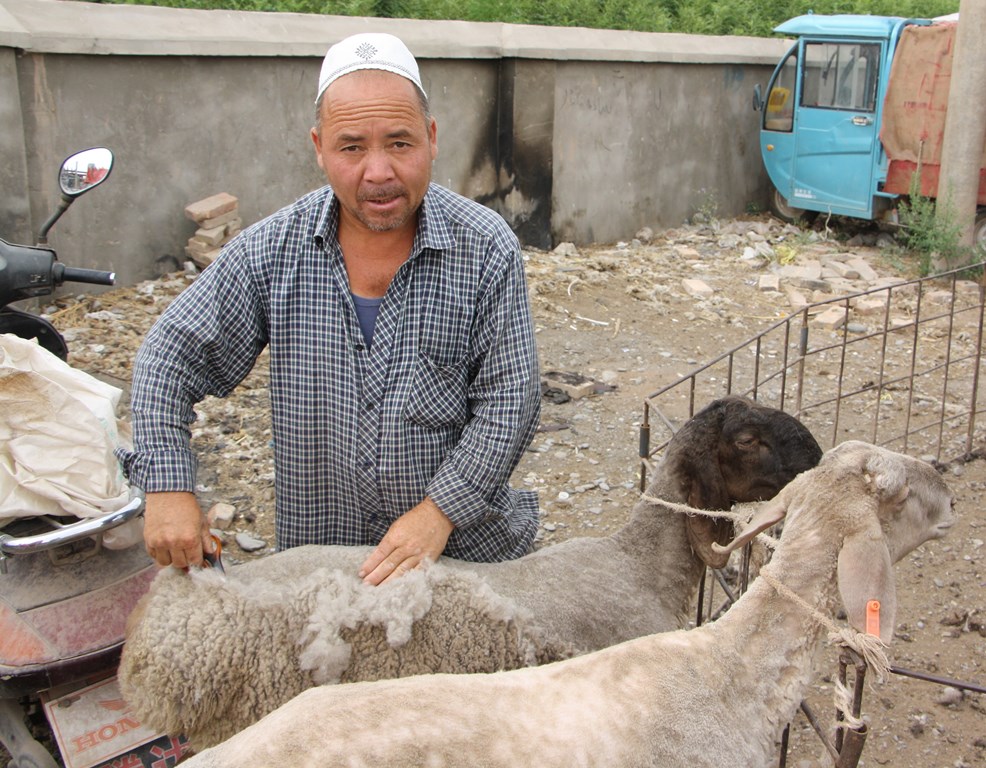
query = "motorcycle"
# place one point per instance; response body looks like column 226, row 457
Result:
column 64, row 597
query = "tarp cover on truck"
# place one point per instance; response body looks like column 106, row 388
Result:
column 914, row 111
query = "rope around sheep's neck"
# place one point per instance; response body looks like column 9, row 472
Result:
column 720, row 514
column 869, row 647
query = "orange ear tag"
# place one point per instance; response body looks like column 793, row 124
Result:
column 873, row 617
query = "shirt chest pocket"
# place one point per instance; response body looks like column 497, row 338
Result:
column 438, row 397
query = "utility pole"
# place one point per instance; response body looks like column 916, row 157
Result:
column 964, row 138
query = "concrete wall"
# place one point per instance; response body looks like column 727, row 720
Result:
column 572, row 134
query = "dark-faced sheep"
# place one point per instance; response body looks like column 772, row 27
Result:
column 708, row 697
column 207, row 657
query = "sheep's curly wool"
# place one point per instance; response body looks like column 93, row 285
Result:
column 253, row 644
column 715, row 695
column 576, row 596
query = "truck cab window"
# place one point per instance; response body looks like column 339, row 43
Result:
column 841, row 76
column 778, row 114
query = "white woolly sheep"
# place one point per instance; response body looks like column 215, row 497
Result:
column 713, row 696
column 207, row 658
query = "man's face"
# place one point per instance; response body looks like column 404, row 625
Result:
column 376, row 148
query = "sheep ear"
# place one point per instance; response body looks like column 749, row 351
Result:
column 769, row 513
column 888, row 476
column 695, row 457
column 866, row 573
column 706, row 486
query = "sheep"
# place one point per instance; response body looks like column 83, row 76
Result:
column 716, row 695
column 253, row 644
column 198, row 657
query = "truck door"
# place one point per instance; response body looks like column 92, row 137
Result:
column 835, row 147
column 777, row 139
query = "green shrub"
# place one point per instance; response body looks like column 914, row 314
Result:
column 709, row 17
column 930, row 233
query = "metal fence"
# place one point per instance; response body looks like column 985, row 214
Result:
column 898, row 366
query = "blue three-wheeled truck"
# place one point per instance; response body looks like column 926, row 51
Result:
column 853, row 111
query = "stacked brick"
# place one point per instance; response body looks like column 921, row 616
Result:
column 218, row 220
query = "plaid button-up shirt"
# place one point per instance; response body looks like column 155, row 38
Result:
column 443, row 403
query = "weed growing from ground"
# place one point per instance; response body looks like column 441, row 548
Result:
column 930, row 233
column 707, row 210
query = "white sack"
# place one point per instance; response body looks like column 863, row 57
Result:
column 58, row 430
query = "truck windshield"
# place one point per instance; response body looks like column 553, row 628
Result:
column 841, row 76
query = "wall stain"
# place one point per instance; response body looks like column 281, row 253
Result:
column 521, row 157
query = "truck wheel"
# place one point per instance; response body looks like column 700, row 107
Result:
column 784, row 211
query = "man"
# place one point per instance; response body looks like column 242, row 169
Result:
column 404, row 373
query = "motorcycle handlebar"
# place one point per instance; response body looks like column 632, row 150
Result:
column 79, row 275
column 74, row 532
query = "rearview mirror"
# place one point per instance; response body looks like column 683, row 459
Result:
column 85, row 170
column 757, row 98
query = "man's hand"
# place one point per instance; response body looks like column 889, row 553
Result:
column 419, row 534
column 175, row 530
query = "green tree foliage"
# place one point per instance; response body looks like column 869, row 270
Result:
column 708, row 17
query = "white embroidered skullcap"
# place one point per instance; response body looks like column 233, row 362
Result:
column 368, row 50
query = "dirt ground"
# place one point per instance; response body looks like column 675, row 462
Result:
column 587, row 473
column 618, row 314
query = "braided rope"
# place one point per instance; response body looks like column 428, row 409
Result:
column 684, row 509
column 720, row 514
column 869, row 647
column 843, row 705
